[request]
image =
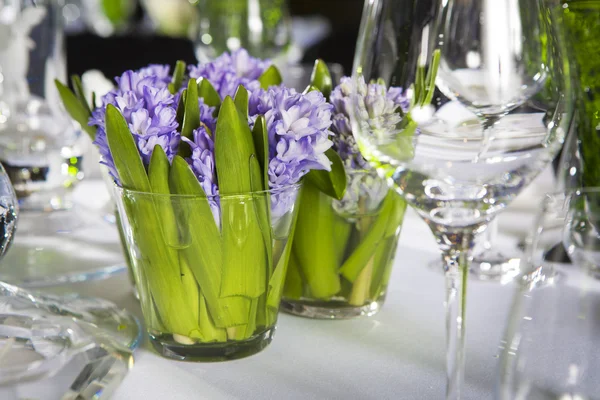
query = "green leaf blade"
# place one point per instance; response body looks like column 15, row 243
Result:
column 78, row 112
column 321, row 78
column 123, row 148
column 208, row 93
column 244, row 265
column 178, row 75
column 333, row 183
column 271, row 77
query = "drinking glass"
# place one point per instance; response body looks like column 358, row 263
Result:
column 544, row 255
column 553, row 333
column 495, row 57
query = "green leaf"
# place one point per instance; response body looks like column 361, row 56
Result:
column 202, row 246
column 431, row 76
column 79, row 112
column 294, row 283
column 314, row 242
column 159, row 261
column 358, row 260
column 178, row 75
column 158, row 175
column 117, row 11
column 321, row 78
column 262, row 207
column 209, row 94
column 241, row 101
column 333, row 183
column 260, row 135
column 310, row 88
column 191, row 116
column 208, row 329
column 79, row 93
column 244, row 264
column 271, row 77
column 128, row 162
column 181, row 107
column 158, row 171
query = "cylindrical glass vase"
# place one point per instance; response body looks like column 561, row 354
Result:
column 343, row 251
column 209, row 271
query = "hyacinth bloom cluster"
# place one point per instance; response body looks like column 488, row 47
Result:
column 380, row 106
column 298, row 128
column 298, row 124
column 229, row 71
column 148, row 107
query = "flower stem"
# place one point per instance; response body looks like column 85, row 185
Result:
column 361, row 288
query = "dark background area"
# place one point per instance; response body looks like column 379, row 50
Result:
column 115, row 54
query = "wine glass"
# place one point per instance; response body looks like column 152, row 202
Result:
column 262, row 27
column 499, row 58
column 553, row 333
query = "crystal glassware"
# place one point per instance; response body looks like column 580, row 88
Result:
column 494, row 57
column 544, row 253
column 260, row 26
column 38, row 145
column 57, row 346
column 491, row 263
column 363, row 228
column 42, row 152
column 209, row 270
column 549, row 351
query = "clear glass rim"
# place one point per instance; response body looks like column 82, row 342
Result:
column 569, row 192
column 283, row 189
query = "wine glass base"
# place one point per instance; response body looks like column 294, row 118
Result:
column 329, row 310
column 168, row 347
column 98, row 317
column 496, row 267
column 59, row 247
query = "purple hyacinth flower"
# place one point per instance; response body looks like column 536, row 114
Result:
column 149, row 110
column 227, row 72
column 298, row 130
column 379, row 106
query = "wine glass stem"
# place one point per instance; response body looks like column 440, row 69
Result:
column 457, row 249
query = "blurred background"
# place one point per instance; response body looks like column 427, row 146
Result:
column 114, row 35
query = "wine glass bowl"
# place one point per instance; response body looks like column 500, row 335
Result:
column 485, row 63
column 423, row 71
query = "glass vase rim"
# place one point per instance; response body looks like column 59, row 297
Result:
column 240, row 195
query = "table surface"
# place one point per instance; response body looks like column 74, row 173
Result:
column 397, row 354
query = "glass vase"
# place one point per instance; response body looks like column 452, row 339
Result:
column 343, row 251
column 209, row 271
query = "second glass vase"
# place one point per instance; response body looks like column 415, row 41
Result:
column 343, row 251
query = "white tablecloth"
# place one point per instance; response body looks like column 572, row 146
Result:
column 397, row 354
